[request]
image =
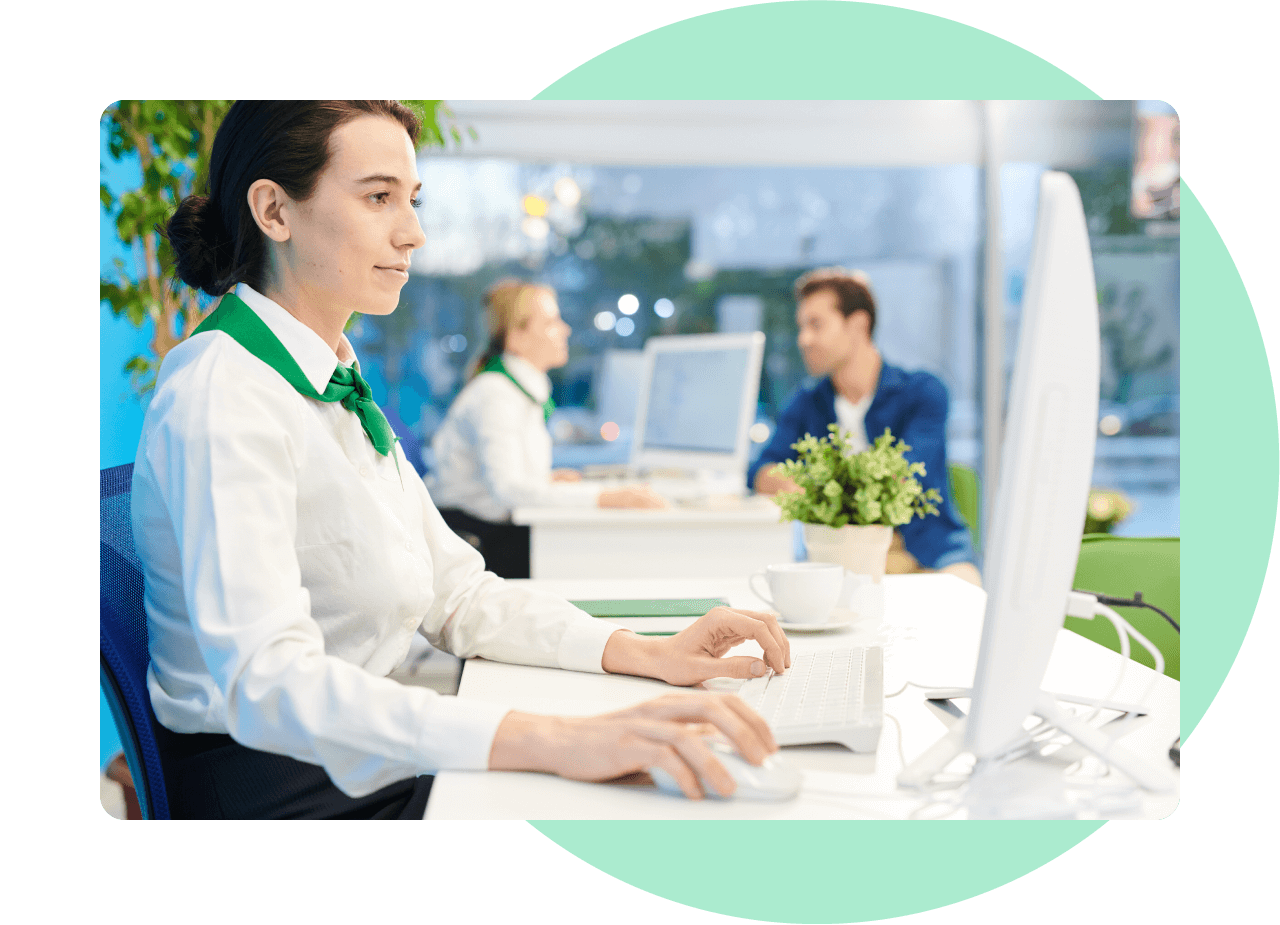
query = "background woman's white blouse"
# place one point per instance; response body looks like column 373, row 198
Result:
column 493, row 451
column 288, row 565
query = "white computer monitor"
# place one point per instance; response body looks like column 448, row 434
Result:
column 698, row 396
column 1046, row 465
column 618, row 392
column 1045, row 469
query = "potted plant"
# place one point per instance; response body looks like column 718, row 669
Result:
column 850, row 502
column 1106, row 509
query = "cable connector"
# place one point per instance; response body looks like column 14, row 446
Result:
column 1135, row 601
column 1081, row 604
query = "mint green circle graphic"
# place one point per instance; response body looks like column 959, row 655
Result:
column 857, row 871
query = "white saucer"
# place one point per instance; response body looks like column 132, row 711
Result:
column 813, row 627
column 839, row 619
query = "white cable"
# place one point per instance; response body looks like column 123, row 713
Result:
column 1040, row 736
column 1123, row 630
column 1119, row 623
column 1023, row 746
column 1085, row 605
column 1156, row 655
column 1111, row 615
column 902, row 756
column 927, row 687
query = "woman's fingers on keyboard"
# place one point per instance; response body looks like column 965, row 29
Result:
column 764, row 629
column 770, row 620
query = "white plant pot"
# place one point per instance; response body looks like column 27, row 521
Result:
column 862, row 550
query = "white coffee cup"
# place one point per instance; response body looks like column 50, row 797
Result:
column 801, row 592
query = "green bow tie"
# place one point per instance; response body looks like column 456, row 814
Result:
column 346, row 385
column 495, row 365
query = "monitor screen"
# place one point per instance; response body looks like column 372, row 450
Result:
column 621, row 372
column 698, row 398
column 695, row 398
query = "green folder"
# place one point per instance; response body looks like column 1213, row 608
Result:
column 654, row 607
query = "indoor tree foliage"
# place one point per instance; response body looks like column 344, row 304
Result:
column 172, row 140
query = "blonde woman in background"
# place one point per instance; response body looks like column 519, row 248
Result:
column 493, row 451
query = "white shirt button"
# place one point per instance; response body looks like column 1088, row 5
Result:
column 409, row 546
column 364, row 470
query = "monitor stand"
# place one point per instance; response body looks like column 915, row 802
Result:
column 941, row 753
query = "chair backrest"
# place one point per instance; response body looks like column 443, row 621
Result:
column 964, row 492
column 1119, row 566
column 123, row 643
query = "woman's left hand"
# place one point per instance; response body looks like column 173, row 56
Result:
column 566, row 475
column 696, row 653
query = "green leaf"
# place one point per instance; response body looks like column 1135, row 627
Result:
column 875, row 486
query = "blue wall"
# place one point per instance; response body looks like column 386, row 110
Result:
column 120, row 415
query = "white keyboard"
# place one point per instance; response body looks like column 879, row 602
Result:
column 835, row 695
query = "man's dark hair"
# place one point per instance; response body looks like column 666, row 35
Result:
column 851, row 288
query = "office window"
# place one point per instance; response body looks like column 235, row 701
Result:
column 1136, row 266
column 635, row 251
column 638, row 251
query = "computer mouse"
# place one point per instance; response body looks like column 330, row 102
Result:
column 776, row 779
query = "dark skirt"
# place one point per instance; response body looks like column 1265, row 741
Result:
column 211, row 776
column 504, row 546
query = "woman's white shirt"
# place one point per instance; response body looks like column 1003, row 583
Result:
column 493, row 451
column 287, row 566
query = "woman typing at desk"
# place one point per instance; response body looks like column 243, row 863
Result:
column 290, row 551
column 493, row 452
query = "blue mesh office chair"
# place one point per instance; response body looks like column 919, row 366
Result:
column 123, row 644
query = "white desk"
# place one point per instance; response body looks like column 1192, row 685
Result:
column 931, row 636
column 735, row 539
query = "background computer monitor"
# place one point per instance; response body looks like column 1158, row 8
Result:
column 698, row 398
column 618, row 392
column 1045, row 470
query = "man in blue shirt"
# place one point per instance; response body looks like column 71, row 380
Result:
column 836, row 316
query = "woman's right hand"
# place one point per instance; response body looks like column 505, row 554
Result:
column 665, row 733
column 634, row 496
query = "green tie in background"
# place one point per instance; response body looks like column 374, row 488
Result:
column 346, row 385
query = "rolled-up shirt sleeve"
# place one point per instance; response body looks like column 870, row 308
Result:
column 477, row 613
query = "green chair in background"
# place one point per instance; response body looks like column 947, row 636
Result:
column 1118, row 566
column 964, row 492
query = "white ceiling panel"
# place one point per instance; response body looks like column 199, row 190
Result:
column 887, row 133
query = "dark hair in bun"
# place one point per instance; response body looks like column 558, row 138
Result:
column 200, row 244
column 215, row 241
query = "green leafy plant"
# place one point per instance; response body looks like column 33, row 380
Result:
column 1106, row 509
column 840, row 487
